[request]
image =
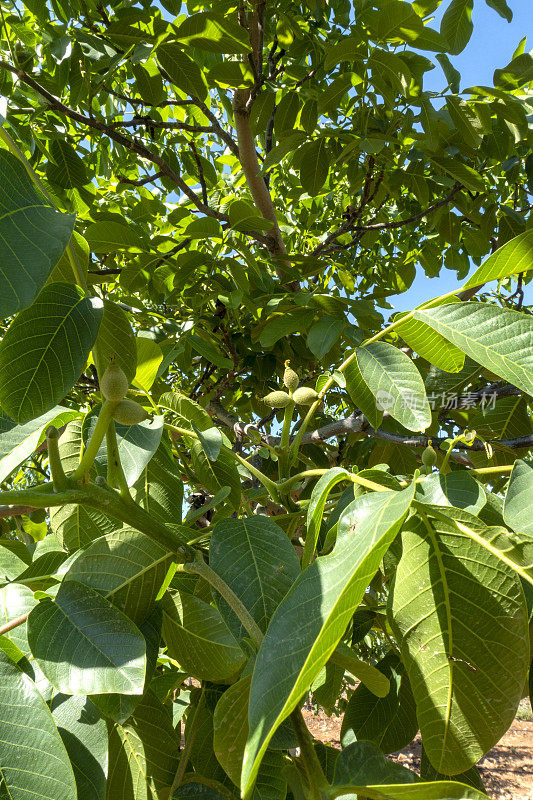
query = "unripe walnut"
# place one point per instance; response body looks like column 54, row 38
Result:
column 429, row 456
column 305, row 396
column 114, row 383
column 277, row 399
column 128, row 412
column 290, row 378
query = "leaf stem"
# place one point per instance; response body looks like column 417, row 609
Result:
column 115, row 472
column 199, row 567
column 90, row 453
column 60, row 480
column 103, row 499
column 315, row 774
column 186, row 752
column 283, row 458
column 269, row 485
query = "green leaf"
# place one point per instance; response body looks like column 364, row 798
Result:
column 136, row 444
column 476, row 328
column 452, row 75
column 361, row 394
column 127, row 567
column 314, row 166
column 84, row 735
column 62, row 272
column 197, row 637
column 395, row 382
column 315, row 510
column 115, row 342
column 323, row 335
column 362, row 769
column 86, row 646
column 517, row 505
column 389, row 722
column 186, row 410
column 230, row 727
column 25, row 217
column 456, row 25
column 211, row 441
column 149, row 357
column 450, row 790
column 213, row 32
column 431, row 345
column 210, row 352
column 203, row 228
column 18, row 442
column 62, row 324
column 516, row 74
column 244, row 217
column 458, row 488
column 107, row 236
column 362, row 764
column 16, row 600
column 471, row 777
column 461, row 172
column 502, row 8
column 397, row 22
column 325, row 595
column 256, row 559
column 33, row 759
column 66, row 169
column 231, row 74
column 143, row 753
column 286, row 113
column 343, row 656
column 514, row 257
column 120, row 707
column 465, row 120
column 159, row 489
column 182, row 70
column 449, row 595
column 279, row 325
column 217, row 474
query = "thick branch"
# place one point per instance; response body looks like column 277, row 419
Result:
column 15, row 511
column 357, row 423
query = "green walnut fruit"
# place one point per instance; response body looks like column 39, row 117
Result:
column 429, row 456
column 305, row 396
column 290, row 378
column 277, row 399
column 128, row 412
column 114, row 383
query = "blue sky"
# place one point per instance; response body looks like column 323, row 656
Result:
column 491, row 47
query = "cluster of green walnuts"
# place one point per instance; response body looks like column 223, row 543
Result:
column 114, row 386
column 303, row 396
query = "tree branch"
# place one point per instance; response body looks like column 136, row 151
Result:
column 358, row 423
column 348, row 226
column 130, row 144
column 200, row 169
column 155, row 123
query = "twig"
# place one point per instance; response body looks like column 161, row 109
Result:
column 200, row 169
column 13, row 624
column 348, row 226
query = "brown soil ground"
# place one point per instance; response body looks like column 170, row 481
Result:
column 507, row 770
